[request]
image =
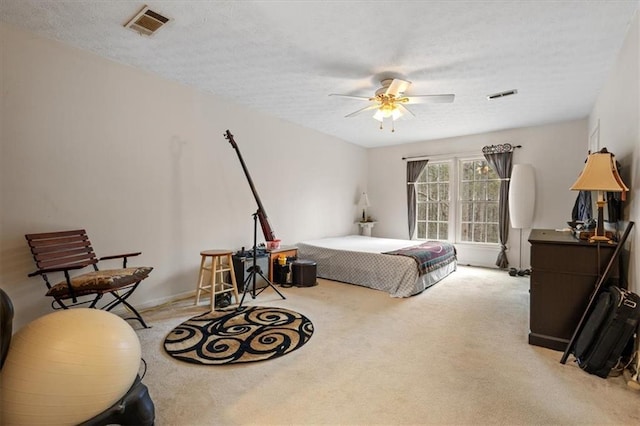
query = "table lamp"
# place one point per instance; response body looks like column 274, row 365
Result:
column 600, row 174
column 364, row 203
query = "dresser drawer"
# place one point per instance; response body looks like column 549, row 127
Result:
column 572, row 259
column 557, row 302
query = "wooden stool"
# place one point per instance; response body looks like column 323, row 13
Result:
column 216, row 267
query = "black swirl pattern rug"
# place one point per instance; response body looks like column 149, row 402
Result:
column 254, row 333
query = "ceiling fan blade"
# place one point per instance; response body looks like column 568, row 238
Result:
column 406, row 112
column 428, row 99
column 367, row 108
column 362, row 98
column 397, row 86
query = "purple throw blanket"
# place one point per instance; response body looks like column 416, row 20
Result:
column 429, row 256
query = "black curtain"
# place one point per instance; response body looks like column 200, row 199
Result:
column 500, row 158
column 414, row 168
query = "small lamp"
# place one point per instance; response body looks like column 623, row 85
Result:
column 364, row 203
column 600, row 174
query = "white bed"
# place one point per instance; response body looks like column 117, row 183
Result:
column 357, row 259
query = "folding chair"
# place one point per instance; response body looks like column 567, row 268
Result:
column 67, row 251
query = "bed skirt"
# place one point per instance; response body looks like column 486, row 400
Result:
column 396, row 275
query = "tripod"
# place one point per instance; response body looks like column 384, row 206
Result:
column 255, row 268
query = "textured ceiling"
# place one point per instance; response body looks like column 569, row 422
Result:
column 286, row 57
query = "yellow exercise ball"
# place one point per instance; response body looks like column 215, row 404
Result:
column 66, row 367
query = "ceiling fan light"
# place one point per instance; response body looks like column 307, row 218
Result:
column 387, row 111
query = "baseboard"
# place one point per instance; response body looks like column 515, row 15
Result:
column 155, row 303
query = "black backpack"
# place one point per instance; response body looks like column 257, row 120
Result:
column 608, row 331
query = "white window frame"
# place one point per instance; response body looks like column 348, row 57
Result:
column 455, row 205
column 451, row 203
column 458, row 223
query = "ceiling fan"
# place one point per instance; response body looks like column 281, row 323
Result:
column 389, row 101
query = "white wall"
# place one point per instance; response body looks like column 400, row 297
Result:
column 556, row 151
column 141, row 163
column 617, row 114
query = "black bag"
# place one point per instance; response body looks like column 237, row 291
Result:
column 223, row 300
column 608, row 330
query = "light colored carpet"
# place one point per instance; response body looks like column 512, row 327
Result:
column 455, row 354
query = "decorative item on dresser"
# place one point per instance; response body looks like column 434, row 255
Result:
column 564, row 272
column 600, row 174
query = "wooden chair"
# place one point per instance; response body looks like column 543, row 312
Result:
column 68, row 251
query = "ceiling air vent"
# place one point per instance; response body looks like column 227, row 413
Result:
column 502, row 94
column 147, row 22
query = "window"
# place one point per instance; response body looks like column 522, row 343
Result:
column 432, row 205
column 457, row 200
column 478, row 202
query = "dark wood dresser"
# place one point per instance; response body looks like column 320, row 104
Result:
column 564, row 273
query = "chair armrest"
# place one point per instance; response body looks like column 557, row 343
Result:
column 119, row 256
column 122, row 256
column 60, row 269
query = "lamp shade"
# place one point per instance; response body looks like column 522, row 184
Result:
column 600, row 174
column 522, row 196
column 364, row 200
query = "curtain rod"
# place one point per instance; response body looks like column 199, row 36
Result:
column 455, row 154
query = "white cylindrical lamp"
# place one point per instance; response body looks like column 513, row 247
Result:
column 522, row 196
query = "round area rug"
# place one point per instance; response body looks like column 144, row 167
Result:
column 254, row 333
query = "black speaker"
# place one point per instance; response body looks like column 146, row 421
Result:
column 242, row 263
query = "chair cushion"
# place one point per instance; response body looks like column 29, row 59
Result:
column 100, row 281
